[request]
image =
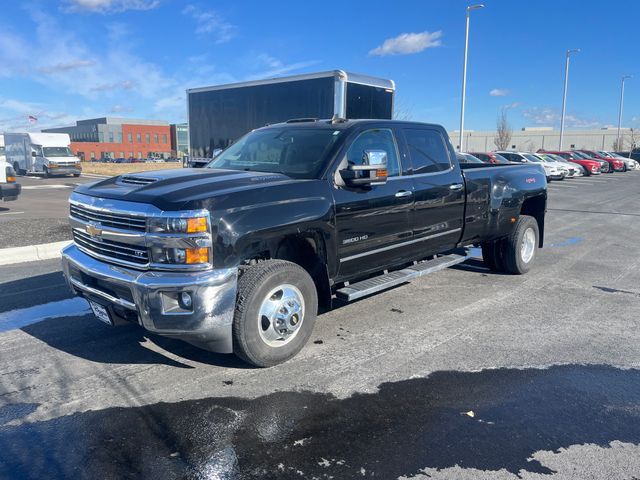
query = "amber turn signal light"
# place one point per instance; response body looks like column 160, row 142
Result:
column 195, row 225
column 197, row 255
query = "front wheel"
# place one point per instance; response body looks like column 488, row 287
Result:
column 275, row 312
column 46, row 172
column 521, row 246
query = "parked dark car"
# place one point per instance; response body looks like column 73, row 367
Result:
column 465, row 158
column 238, row 256
column 491, row 157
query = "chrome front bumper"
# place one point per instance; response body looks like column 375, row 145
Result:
column 150, row 297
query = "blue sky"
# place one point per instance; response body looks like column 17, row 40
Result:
column 71, row 59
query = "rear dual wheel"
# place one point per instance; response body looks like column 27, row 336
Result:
column 516, row 253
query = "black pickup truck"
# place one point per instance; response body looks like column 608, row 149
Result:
column 239, row 256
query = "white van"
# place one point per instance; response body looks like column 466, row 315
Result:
column 47, row 153
column 9, row 189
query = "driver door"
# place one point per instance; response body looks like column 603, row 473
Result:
column 372, row 221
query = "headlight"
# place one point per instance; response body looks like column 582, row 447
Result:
column 177, row 225
column 180, row 256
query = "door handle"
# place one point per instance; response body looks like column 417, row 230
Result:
column 456, row 186
column 404, row 193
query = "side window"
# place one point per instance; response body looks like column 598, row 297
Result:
column 428, row 150
column 377, row 139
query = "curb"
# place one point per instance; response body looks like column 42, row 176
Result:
column 32, row 253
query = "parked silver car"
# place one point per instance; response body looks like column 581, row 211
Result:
column 574, row 170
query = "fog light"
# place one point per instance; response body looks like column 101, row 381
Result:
column 186, row 301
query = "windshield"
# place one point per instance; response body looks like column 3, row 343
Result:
column 296, row 152
column 500, row 158
column 557, row 158
column 532, row 158
column 57, row 152
column 605, row 154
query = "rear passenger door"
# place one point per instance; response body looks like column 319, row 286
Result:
column 438, row 213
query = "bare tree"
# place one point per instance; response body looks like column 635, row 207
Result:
column 503, row 131
column 618, row 144
column 401, row 111
column 632, row 139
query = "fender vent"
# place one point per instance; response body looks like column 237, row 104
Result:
column 137, row 180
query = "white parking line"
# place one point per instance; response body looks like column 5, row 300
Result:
column 11, row 213
column 562, row 186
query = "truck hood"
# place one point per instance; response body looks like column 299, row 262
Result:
column 180, row 188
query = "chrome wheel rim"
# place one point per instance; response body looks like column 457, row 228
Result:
column 528, row 246
column 281, row 315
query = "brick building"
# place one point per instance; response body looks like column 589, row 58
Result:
column 118, row 138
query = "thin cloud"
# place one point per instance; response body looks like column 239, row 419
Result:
column 66, row 66
column 108, row 6
column 408, row 43
column 210, row 22
column 499, row 92
column 551, row 116
column 272, row 67
column 121, row 109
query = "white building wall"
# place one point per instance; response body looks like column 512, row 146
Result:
column 532, row 140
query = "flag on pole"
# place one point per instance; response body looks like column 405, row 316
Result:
column 32, row 119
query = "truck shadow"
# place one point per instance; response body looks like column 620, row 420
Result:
column 85, row 337
column 44, row 313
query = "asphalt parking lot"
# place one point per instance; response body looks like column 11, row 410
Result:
column 463, row 374
column 39, row 215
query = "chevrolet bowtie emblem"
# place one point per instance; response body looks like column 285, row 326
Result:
column 93, row 230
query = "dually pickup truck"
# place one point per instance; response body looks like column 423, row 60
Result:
column 240, row 255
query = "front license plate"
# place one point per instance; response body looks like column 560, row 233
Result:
column 100, row 312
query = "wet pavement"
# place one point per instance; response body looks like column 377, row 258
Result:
column 464, row 375
column 489, row 420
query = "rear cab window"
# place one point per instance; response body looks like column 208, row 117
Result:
column 427, row 149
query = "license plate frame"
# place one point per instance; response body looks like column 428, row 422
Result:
column 101, row 312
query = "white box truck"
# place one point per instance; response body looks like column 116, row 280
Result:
column 9, row 189
column 46, row 153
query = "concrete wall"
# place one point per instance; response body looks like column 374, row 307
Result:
column 532, row 140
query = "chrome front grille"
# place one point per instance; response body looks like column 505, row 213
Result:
column 137, row 180
column 108, row 219
column 138, row 255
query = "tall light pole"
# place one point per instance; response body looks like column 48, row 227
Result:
column 624, row 77
column 564, row 94
column 464, row 73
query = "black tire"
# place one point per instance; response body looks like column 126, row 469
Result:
column 46, row 172
column 76, row 174
column 254, row 284
column 18, row 170
column 492, row 256
column 512, row 251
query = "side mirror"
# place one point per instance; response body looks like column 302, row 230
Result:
column 216, row 152
column 33, row 154
column 373, row 170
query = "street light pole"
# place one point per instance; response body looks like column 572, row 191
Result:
column 564, row 94
column 464, row 72
column 624, row 77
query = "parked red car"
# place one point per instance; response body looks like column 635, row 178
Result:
column 591, row 167
column 490, row 157
column 615, row 164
